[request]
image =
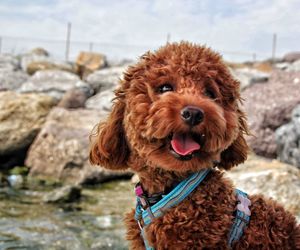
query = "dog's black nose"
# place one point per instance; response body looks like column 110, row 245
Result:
column 192, row 115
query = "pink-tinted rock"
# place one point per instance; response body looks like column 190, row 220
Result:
column 268, row 106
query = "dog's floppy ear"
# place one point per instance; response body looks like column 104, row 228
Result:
column 237, row 152
column 109, row 149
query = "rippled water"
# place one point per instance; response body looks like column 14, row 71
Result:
column 94, row 222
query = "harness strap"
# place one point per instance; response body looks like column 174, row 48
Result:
column 242, row 217
column 182, row 190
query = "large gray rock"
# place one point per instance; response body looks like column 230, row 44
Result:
column 53, row 82
column 295, row 66
column 268, row 106
column 11, row 77
column 9, row 62
column 107, row 78
column 101, row 101
column 61, row 149
column 21, row 118
column 270, row 178
column 288, row 140
column 248, row 76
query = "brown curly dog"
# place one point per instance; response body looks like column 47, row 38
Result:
column 176, row 113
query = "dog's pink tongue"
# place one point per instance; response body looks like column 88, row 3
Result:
column 184, row 144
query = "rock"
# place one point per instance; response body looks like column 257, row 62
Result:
column 35, row 55
column 61, row 149
column 39, row 51
column 15, row 181
column 49, row 65
column 11, row 77
column 53, row 83
column 101, row 101
column 268, row 106
column 107, row 78
column 9, row 62
column 73, row 98
column 88, row 62
column 270, row 178
column 288, row 140
column 63, row 195
column 291, row 57
column 12, row 80
column 21, row 118
column 248, row 76
column 295, row 66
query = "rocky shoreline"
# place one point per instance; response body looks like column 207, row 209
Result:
column 48, row 109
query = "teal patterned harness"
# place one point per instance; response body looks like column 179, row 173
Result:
column 146, row 213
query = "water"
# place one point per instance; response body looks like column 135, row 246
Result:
column 94, row 222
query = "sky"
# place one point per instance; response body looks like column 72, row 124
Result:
column 127, row 28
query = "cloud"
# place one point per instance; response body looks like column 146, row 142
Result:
column 133, row 26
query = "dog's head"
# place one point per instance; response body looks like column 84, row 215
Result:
column 177, row 109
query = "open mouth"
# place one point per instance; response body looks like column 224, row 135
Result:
column 184, row 146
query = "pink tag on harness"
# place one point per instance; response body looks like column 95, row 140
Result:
column 138, row 190
column 244, row 204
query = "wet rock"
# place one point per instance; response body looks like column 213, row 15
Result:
column 248, row 76
column 21, row 118
column 63, row 195
column 88, row 62
column 74, row 98
column 53, row 83
column 288, row 140
column 270, row 178
column 291, row 57
column 15, row 181
column 268, row 106
column 101, row 101
column 61, row 149
column 107, row 78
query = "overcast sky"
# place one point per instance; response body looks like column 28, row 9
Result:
column 129, row 27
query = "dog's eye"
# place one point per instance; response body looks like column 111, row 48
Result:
column 165, row 88
column 209, row 93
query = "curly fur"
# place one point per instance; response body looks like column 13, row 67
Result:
column 136, row 136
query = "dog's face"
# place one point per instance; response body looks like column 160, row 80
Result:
column 177, row 109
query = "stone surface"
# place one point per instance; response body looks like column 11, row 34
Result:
column 270, row 178
column 295, row 66
column 101, row 101
column 11, row 77
column 12, row 80
column 88, row 62
column 107, row 78
column 268, row 106
column 9, row 62
column 248, row 76
column 291, row 57
column 288, row 140
column 21, row 118
column 53, row 83
column 61, row 149
column 35, row 55
column 63, row 195
column 74, row 98
column 49, row 65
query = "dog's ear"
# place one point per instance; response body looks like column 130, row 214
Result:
column 237, row 152
column 110, row 149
